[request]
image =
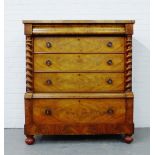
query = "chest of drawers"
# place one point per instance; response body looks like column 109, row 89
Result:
column 78, row 78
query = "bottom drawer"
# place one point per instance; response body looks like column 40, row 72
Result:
column 55, row 111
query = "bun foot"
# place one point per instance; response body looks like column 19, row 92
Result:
column 128, row 139
column 29, row 140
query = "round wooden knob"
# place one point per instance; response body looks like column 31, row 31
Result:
column 48, row 82
column 110, row 111
column 48, row 45
column 48, row 62
column 48, row 112
column 109, row 62
column 109, row 44
column 109, row 81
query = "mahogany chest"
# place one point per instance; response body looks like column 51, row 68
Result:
column 78, row 78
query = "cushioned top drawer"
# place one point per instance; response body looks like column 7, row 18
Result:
column 79, row 44
column 78, row 82
column 78, row 62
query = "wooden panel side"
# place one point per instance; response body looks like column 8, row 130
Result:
column 129, row 110
column 28, row 29
column 129, row 29
column 28, row 114
column 28, row 111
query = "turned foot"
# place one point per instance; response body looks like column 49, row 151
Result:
column 29, row 140
column 128, row 139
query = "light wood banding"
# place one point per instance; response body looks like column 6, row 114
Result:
column 78, row 95
column 78, row 21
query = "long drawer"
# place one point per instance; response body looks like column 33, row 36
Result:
column 78, row 62
column 78, row 82
column 55, row 111
column 79, row 44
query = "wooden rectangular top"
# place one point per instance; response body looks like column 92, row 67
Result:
column 78, row 21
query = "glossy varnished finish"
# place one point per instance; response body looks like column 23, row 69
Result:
column 78, row 78
column 76, row 29
column 79, row 21
column 79, row 44
column 78, row 111
column 78, row 82
column 79, row 62
column 128, row 95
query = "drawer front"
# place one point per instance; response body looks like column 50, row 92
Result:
column 78, row 82
column 54, row 111
column 79, row 44
column 78, row 62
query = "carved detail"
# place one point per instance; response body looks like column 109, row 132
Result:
column 29, row 64
column 128, row 73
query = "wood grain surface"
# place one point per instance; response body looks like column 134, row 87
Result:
column 78, row 62
column 78, row 111
column 89, row 95
column 78, row 21
column 78, row 77
column 79, row 44
column 78, row 82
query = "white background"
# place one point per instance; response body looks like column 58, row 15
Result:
column 17, row 10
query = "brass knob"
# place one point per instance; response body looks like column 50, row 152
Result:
column 109, row 81
column 48, row 82
column 109, row 62
column 48, row 45
column 48, row 62
column 48, row 112
column 109, row 44
column 110, row 111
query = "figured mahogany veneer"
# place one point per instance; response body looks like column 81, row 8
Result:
column 78, row 78
column 76, row 44
column 53, row 111
column 78, row 62
column 78, row 82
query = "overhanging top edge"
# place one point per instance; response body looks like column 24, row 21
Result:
column 78, row 21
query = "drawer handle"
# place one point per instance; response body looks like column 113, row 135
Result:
column 110, row 111
column 109, row 62
column 109, row 44
column 48, row 112
column 48, row 45
column 109, row 81
column 48, row 82
column 48, row 62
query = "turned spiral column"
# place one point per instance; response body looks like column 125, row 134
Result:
column 29, row 64
column 128, row 68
